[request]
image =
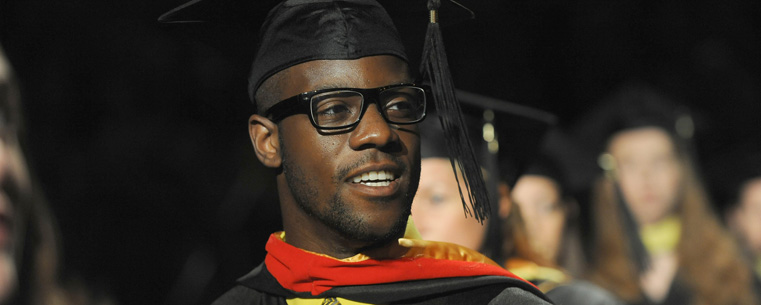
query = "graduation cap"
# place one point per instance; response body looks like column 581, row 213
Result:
column 347, row 29
column 636, row 105
column 505, row 138
column 297, row 31
column 545, row 165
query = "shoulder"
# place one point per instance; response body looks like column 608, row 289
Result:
column 517, row 295
column 244, row 295
column 582, row 292
column 467, row 290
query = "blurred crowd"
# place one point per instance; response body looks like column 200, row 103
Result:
column 653, row 235
column 649, row 235
column 656, row 224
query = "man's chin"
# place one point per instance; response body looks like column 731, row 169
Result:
column 383, row 234
column 378, row 241
column 374, row 235
column 367, row 223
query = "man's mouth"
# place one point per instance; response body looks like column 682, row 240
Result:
column 375, row 178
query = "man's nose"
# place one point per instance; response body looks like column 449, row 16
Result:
column 372, row 131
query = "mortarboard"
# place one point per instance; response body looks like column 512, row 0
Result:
column 351, row 29
column 505, row 136
column 545, row 165
column 357, row 28
column 635, row 105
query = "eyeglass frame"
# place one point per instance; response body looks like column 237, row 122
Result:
column 302, row 104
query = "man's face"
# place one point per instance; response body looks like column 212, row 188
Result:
column 321, row 168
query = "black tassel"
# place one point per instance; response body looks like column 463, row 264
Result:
column 435, row 68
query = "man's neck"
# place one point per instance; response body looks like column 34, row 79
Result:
column 334, row 245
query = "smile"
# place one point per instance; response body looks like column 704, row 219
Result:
column 375, row 178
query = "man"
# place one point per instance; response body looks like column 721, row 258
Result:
column 337, row 117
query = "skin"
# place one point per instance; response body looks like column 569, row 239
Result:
column 540, row 206
column 745, row 219
column 649, row 175
column 437, row 208
column 648, row 172
column 323, row 210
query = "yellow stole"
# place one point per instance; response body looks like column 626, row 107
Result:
column 662, row 236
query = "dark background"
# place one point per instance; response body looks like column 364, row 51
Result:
column 137, row 130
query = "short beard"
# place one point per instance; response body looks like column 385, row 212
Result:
column 339, row 216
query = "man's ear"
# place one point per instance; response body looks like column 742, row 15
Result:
column 505, row 200
column 264, row 137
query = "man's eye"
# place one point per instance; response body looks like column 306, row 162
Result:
column 400, row 106
column 332, row 108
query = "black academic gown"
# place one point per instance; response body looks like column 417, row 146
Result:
column 427, row 277
column 260, row 287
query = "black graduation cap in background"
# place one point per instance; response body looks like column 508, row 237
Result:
column 632, row 105
column 505, row 136
column 351, row 29
column 546, row 165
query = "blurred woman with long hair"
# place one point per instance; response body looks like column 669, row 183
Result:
column 550, row 214
column 656, row 239
column 29, row 239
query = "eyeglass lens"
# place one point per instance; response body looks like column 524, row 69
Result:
column 343, row 107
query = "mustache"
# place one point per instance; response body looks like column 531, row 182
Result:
column 344, row 170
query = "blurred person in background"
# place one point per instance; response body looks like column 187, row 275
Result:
column 744, row 220
column 549, row 214
column 28, row 258
column 29, row 247
column 501, row 133
column 657, row 240
column 735, row 180
column 505, row 136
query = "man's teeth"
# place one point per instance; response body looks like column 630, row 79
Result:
column 379, row 183
column 375, row 178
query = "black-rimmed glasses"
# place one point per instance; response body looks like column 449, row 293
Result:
column 338, row 108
